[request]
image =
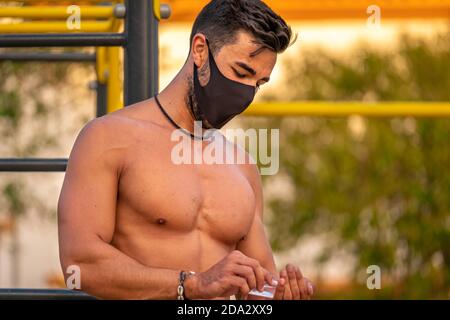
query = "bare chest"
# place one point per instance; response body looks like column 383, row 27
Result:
column 215, row 199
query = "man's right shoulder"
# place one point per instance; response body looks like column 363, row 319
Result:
column 106, row 128
column 103, row 139
column 97, row 125
column 123, row 122
column 112, row 135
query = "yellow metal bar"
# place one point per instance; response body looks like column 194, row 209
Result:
column 343, row 109
column 109, row 72
column 101, row 66
column 37, row 27
column 59, row 12
column 157, row 9
column 114, row 81
column 63, row 2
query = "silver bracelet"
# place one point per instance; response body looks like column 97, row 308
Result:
column 180, row 289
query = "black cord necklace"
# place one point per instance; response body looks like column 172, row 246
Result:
column 187, row 132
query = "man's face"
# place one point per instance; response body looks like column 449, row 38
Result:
column 243, row 61
column 246, row 62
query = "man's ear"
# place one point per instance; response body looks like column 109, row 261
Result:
column 199, row 50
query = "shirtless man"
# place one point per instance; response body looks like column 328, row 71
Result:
column 134, row 222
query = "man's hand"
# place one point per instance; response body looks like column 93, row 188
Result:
column 235, row 274
column 293, row 286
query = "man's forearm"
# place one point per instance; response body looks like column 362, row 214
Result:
column 108, row 273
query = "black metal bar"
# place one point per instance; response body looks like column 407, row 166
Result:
column 154, row 54
column 33, row 165
column 102, row 99
column 141, row 52
column 63, row 40
column 43, row 294
column 47, row 57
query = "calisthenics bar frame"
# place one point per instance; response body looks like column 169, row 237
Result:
column 140, row 42
column 62, row 12
column 380, row 109
column 43, row 294
column 32, row 165
column 63, row 40
column 48, row 57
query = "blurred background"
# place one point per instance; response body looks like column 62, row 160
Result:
column 352, row 191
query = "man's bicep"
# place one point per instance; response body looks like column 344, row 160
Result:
column 87, row 203
column 256, row 245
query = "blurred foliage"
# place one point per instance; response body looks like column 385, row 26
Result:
column 12, row 192
column 10, row 107
column 378, row 188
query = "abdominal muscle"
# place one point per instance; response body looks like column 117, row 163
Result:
column 158, row 248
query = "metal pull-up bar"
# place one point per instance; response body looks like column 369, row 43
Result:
column 60, row 12
column 33, row 165
column 63, row 40
column 43, row 294
column 93, row 18
column 48, row 57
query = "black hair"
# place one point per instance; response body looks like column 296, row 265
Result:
column 221, row 20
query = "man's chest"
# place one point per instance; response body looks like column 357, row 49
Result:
column 216, row 199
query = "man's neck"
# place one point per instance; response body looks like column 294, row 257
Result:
column 173, row 100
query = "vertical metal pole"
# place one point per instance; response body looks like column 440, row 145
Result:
column 101, row 99
column 141, row 52
column 154, row 49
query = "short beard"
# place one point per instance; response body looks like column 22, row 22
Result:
column 191, row 102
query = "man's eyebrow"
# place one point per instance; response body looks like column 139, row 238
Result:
column 250, row 70
column 246, row 67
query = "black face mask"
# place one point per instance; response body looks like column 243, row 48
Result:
column 221, row 99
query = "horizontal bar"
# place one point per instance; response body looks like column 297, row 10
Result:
column 343, row 109
column 313, row 10
column 63, row 40
column 58, row 12
column 33, row 165
column 47, row 57
column 43, row 294
column 52, row 26
column 63, row 2
column 66, row 2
